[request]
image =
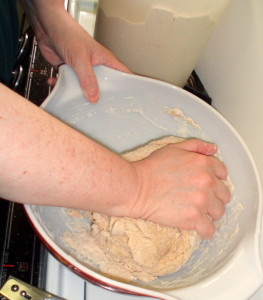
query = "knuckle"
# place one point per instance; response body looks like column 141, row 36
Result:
column 206, row 180
column 227, row 197
column 201, row 198
column 204, row 161
column 210, row 232
column 224, row 171
column 218, row 213
column 206, row 231
column 192, row 214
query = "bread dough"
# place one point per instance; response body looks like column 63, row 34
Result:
column 144, row 151
column 130, row 249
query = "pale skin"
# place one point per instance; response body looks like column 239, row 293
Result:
column 43, row 161
column 62, row 40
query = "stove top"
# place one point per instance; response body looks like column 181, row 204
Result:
column 21, row 254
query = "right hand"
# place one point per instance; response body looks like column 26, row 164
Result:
column 181, row 185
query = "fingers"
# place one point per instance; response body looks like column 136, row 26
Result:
column 205, row 228
column 222, row 191
column 88, row 82
column 219, row 168
column 51, row 81
column 204, row 222
column 207, row 149
column 199, row 221
column 198, row 146
column 117, row 65
column 215, row 210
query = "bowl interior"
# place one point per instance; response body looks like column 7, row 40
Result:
column 132, row 111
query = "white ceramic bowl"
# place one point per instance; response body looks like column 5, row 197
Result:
column 133, row 110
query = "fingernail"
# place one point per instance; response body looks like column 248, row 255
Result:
column 214, row 146
column 91, row 95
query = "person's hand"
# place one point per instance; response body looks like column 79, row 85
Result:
column 77, row 49
column 62, row 40
column 181, row 185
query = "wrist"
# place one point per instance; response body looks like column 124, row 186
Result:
column 138, row 201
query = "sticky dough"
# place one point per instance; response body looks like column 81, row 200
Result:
column 130, row 249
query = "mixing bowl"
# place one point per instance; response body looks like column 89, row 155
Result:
column 132, row 111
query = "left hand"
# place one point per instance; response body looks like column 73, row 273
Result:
column 62, row 40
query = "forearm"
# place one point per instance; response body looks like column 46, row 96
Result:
column 44, row 15
column 44, row 161
column 57, row 32
column 40, row 10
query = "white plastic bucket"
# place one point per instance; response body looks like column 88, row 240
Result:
column 162, row 39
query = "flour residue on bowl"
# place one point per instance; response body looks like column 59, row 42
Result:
column 184, row 126
column 140, row 110
column 111, row 110
column 80, row 116
column 177, row 113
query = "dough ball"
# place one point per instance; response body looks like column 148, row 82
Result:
column 144, row 250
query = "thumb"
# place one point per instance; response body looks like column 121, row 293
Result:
column 88, row 82
column 195, row 145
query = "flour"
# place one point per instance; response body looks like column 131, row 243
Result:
column 177, row 113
